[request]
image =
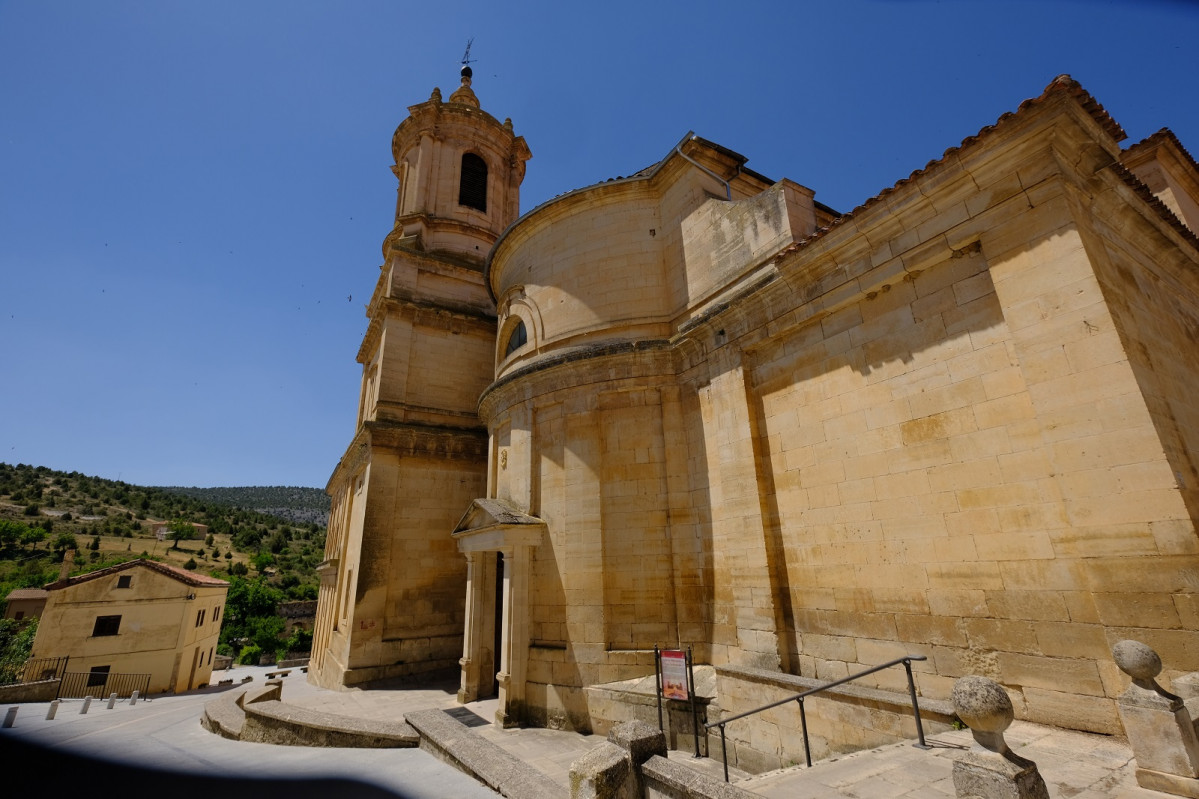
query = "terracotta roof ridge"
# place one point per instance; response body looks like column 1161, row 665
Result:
column 1062, row 84
column 1161, row 136
column 26, row 593
column 1164, row 211
column 184, row 576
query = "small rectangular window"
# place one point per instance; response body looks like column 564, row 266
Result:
column 199, row 618
column 97, row 676
column 106, row 625
column 124, row 580
column 216, row 613
column 20, row 615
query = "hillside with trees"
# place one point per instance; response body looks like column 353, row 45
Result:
column 268, row 558
column 292, row 503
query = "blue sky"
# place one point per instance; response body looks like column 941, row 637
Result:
column 193, row 195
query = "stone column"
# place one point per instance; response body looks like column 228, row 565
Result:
column 746, row 611
column 989, row 769
column 468, row 690
column 514, row 646
column 1158, row 725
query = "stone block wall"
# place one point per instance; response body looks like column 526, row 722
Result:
column 845, row 719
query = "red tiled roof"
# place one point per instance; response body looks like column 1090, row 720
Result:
column 1062, row 84
column 27, row 593
column 1163, row 135
column 182, row 575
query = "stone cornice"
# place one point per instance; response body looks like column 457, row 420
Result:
column 420, row 312
column 421, row 441
column 656, row 350
column 408, row 439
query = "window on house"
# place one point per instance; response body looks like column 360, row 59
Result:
column 216, row 613
column 124, row 581
column 199, row 618
column 472, row 185
column 98, row 675
column 517, row 339
column 106, row 625
column 20, row 615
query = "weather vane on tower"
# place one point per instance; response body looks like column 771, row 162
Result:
column 467, row 72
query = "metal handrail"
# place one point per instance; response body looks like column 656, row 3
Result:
column 803, row 718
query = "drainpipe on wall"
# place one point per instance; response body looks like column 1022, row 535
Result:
column 728, row 191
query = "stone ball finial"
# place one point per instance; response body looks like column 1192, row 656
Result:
column 982, row 704
column 1137, row 660
column 466, row 72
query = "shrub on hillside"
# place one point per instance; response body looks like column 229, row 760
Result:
column 249, row 655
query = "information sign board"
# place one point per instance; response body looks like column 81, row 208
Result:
column 674, row 674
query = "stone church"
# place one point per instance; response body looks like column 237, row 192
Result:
column 696, row 407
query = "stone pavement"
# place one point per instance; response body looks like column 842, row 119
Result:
column 166, row 734
column 158, row 749
column 1073, row 764
column 550, row 751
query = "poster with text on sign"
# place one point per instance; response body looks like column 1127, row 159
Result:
column 674, row 674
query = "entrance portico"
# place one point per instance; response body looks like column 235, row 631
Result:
column 498, row 542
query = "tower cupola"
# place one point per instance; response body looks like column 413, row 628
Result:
column 459, row 172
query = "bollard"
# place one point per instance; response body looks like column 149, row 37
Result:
column 10, row 717
column 133, row 699
column 53, row 709
column 87, row 702
column 112, row 701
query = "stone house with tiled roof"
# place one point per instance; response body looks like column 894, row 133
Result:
column 139, row 617
column 695, row 407
column 24, row 603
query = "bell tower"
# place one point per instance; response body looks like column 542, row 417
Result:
column 393, row 583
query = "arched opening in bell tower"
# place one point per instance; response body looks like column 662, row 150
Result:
column 472, row 184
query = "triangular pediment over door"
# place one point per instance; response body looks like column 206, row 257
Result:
column 492, row 525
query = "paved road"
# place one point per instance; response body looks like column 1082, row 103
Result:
column 158, row 749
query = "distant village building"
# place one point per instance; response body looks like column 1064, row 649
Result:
column 25, row 603
column 139, row 617
column 696, row 407
column 162, row 530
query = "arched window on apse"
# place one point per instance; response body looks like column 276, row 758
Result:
column 516, row 339
column 472, row 186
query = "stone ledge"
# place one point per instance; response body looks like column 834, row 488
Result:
column 224, row 715
column 939, row 710
column 453, row 742
column 672, row 781
column 40, row 691
column 275, row 722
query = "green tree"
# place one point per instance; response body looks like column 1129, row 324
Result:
column 16, row 642
column 276, row 542
column 190, row 565
column 94, row 546
column 62, row 543
column 179, row 530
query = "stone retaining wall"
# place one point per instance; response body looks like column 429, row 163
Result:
column 40, row 691
column 275, row 722
column 844, row 719
column 666, row 780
